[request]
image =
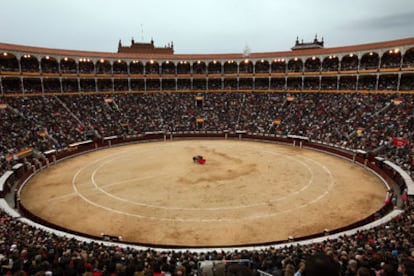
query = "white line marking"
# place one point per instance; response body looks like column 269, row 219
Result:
column 197, row 209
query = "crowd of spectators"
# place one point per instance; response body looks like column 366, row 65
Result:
column 356, row 121
column 385, row 250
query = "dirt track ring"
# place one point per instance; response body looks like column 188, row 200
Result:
column 247, row 193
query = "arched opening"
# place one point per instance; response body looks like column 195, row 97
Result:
column 246, row 67
column 408, row 58
column 313, row 64
column 214, row 67
column 168, row 68
column 262, row 67
column 391, row 59
column 330, row 63
column 183, row 67
column 152, row 67
column 230, row 67
column 68, row 66
column 103, row 67
column 199, row 67
column 120, row 67
column 86, row 66
column 136, row 67
column 349, row 63
column 49, row 65
column 8, row 62
column 278, row 66
column 369, row 61
column 295, row 65
column 29, row 64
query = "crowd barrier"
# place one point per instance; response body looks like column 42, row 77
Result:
column 387, row 172
column 6, row 181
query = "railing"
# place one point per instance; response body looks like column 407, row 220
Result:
column 6, row 181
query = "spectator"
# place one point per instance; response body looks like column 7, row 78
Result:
column 321, row 264
column 363, row 271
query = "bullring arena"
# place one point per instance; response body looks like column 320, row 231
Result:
column 246, row 193
column 152, row 157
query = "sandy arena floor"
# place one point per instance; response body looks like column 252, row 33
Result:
column 246, row 193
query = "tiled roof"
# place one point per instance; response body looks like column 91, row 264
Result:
column 4, row 47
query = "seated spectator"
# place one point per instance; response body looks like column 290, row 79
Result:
column 321, row 264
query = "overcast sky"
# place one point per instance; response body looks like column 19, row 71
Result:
column 202, row 26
